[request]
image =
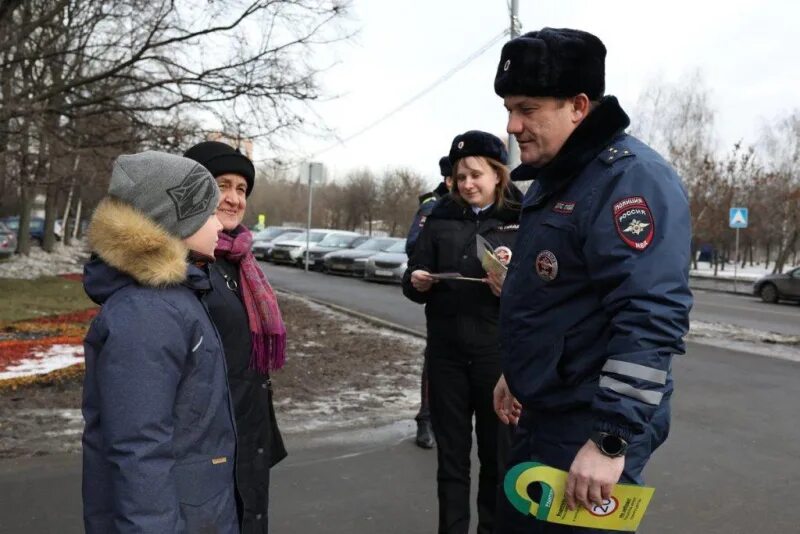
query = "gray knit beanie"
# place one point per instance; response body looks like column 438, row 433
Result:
column 175, row 192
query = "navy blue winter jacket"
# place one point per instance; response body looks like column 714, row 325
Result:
column 426, row 204
column 159, row 441
column 597, row 298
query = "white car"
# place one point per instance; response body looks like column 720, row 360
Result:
column 292, row 248
column 263, row 240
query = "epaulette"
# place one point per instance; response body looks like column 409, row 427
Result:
column 612, row 154
column 427, row 197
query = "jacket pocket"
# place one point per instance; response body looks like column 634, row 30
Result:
column 198, row 482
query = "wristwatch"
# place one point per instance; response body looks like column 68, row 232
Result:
column 609, row 444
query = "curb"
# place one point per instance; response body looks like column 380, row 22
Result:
column 363, row 316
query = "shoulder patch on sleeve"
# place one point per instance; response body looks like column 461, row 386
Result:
column 613, row 153
column 422, row 220
column 634, row 222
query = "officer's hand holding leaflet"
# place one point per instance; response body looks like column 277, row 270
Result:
column 422, row 280
column 592, row 477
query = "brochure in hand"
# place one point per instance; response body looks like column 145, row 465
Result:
column 454, row 276
column 489, row 259
column 622, row 511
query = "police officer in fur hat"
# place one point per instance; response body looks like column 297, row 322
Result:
column 596, row 301
column 461, row 318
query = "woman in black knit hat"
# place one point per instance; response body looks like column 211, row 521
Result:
column 242, row 301
column 463, row 351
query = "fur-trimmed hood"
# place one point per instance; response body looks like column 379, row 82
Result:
column 130, row 242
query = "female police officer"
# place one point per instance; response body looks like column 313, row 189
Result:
column 463, row 352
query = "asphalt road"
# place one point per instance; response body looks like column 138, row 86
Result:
column 746, row 311
column 386, row 301
column 731, row 465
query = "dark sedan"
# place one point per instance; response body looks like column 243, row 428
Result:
column 388, row 266
column 353, row 261
column 774, row 287
column 332, row 243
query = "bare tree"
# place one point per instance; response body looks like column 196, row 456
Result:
column 678, row 121
column 240, row 65
column 781, row 143
column 361, row 199
column 399, row 193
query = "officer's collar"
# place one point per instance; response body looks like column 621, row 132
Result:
column 603, row 124
column 448, row 208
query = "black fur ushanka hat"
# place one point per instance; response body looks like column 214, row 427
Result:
column 445, row 168
column 552, row 62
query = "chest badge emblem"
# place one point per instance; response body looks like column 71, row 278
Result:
column 547, row 266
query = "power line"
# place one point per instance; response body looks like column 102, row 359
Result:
column 449, row 74
column 472, row 57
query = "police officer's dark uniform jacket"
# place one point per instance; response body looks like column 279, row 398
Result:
column 463, row 354
column 426, row 204
column 605, row 292
column 596, row 300
column 447, row 244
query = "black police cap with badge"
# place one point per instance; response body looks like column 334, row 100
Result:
column 477, row 143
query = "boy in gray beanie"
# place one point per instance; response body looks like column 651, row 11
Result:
column 159, row 442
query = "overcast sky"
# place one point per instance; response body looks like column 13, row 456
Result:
column 744, row 49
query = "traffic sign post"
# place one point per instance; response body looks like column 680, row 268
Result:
column 737, row 218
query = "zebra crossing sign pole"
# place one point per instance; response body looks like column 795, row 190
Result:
column 737, row 218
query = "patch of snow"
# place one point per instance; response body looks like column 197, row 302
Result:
column 42, row 362
column 748, row 272
column 743, row 339
column 63, row 260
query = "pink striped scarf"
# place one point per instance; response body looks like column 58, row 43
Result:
column 267, row 331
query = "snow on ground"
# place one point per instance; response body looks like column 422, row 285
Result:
column 746, row 340
column 748, row 272
column 42, row 362
column 391, row 396
column 63, row 260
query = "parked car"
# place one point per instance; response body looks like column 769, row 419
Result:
column 774, row 287
column 387, row 266
column 338, row 240
column 264, row 239
column 8, row 241
column 36, row 227
column 291, row 248
column 353, row 261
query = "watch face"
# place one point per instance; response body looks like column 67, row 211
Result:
column 612, row 445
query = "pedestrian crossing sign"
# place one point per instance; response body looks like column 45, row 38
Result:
column 737, row 218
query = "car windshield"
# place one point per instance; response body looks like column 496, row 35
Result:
column 12, row 224
column 337, row 240
column 292, row 236
column 316, row 237
column 400, row 246
column 269, row 234
column 378, row 244
column 4, row 228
